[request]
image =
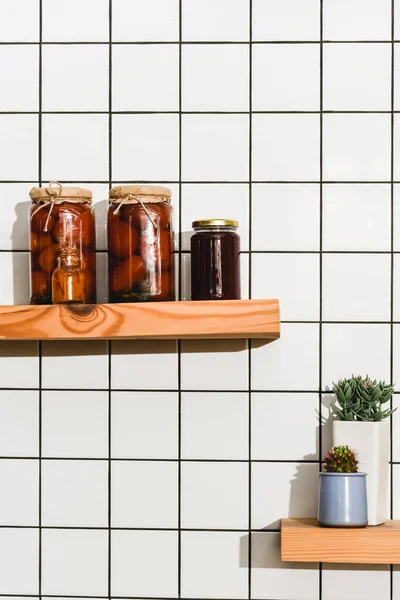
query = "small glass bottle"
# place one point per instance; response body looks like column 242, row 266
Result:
column 68, row 280
column 215, row 250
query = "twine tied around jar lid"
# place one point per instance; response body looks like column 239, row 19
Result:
column 57, row 195
column 139, row 195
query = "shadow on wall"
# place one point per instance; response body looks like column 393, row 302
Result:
column 20, row 259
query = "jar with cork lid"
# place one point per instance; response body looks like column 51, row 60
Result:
column 62, row 224
column 140, row 244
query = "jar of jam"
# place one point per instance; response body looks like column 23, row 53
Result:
column 215, row 253
column 140, row 244
column 61, row 222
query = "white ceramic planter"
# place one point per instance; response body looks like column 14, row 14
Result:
column 371, row 443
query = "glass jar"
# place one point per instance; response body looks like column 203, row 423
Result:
column 140, row 244
column 61, row 220
column 215, row 254
column 68, row 280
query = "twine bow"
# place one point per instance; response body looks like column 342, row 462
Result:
column 129, row 197
column 54, row 194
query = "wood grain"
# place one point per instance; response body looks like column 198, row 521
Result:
column 238, row 319
column 303, row 540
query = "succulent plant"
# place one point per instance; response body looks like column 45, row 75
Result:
column 361, row 399
column 341, row 459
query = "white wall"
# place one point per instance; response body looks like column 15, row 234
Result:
column 147, row 469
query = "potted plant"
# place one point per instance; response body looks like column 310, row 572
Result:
column 342, row 500
column 361, row 422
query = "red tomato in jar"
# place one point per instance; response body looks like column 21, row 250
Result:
column 39, row 241
column 122, row 238
column 38, row 221
column 48, row 258
column 40, row 281
column 128, row 273
column 74, row 229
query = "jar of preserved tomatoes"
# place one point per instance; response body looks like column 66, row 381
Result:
column 61, row 222
column 140, row 244
column 215, row 254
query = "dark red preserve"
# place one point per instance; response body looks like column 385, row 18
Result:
column 215, row 249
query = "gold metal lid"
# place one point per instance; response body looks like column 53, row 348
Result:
column 215, row 223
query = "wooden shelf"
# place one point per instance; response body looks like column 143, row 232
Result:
column 303, row 540
column 238, row 319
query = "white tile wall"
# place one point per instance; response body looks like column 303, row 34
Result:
column 152, row 467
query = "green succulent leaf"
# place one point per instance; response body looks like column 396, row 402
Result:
column 361, row 399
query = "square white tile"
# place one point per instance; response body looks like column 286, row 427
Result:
column 357, row 77
column 396, row 217
column 396, row 430
column 396, row 355
column 215, row 77
column 19, row 423
column 286, row 20
column 285, row 147
column 210, row 201
column 136, row 556
column 86, row 65
column 144, row 494
column 273, row 578
column 289, row 363
column 14, row 215
column 356, row 147
column 65, row 368
column 396, row 20
column 145, row 147
column 19, row 147
column 281, row 490
column 356, row 287
column 19, row 555
column 286, row 77
column 352, row 582
column 15, row 29
column 14, row 268
column 144, row 364
column 20, row 90
column 19, row 501
column 285, row 217
column 293, row 278
column 17, row 357
column 342, row 20
column 215, row 426
column 75, row 493
column 358, row 349
column 83, row 153
column 75, row 424
column 144, row 425
column 214, row 564
column 396, row 287
column 206, row 20
column 284, row 426
column 214, row 365
column 215, row 147
column 214, row 495
column 153, row 20
column 74, row 562
column 91, row 26
column 396, row 147
column 356, row 217
column 396, row 491
column 145, row 77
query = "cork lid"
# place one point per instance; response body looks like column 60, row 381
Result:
column 56, row 191
column 146, row 193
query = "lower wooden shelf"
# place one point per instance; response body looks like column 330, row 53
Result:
column 303, row 540
column 237, row 319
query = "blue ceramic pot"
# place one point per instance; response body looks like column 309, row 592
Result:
column 342, row 500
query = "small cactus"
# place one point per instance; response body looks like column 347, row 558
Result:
column 341, row 460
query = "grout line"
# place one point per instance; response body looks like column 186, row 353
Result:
column 40, row 344
column 249, row 350
column 200, row 42
column 392, row 74
column 321, row 176
column 179, row 342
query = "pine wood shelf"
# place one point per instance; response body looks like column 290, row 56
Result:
column 235, row 319
column 303, row 540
